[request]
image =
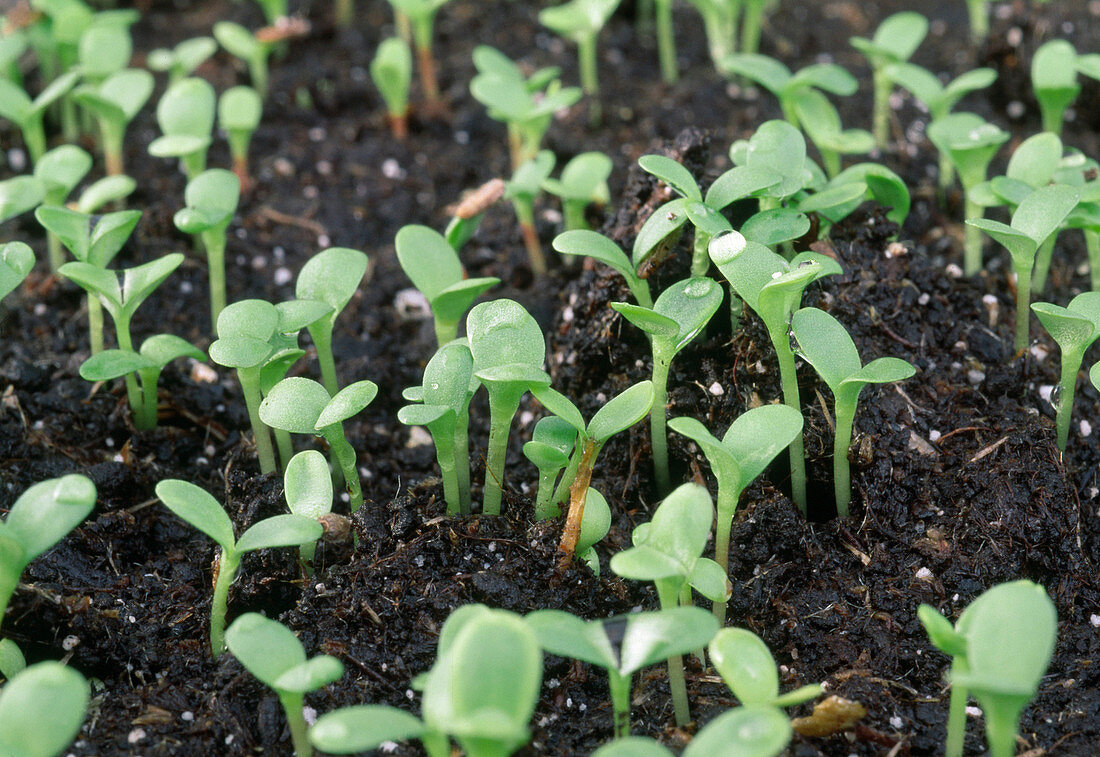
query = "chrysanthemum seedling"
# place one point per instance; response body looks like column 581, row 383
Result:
column 421, row 16
column 742, row 731
column 583, row 182
column 60, row 170
column 195, row 506
column 239, row 111
column 999, row 648
column 243, row 44
column 41, row 710
column 331, row 276
column 1054, row 81
column 156, row 352
column 581, row 22
column 271, row 652
column 1036, row 217
column 552, row 443
column 676, row 318
column 18, row 195
column 821, row 122
column 185, row 114
column 182, row 59
column 211, row 199
column 720, row 19
column 1074, row 328
column 525, row 185
column 825, row 345
column 391, row 70
column 434, row 268
column 882, row 185
column 114, row 103
column 748, row 447
column 39, row 519
column 668, row 551
column 16, row 262
column 970, row 142
column 748, row 668
column 591, row 244
column 509, row 351
column 895, row 40
column 17, row 106
column 773, row 288
column 623, row 645
column 787, row 87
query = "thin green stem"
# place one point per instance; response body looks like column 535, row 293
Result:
column 445, row 456
column 321, row 333
column 193, row 164
column 666, row 42
column 250, row 387
column 946, row 176
column 257, row 70
column 227, row 565
column 445, row 331
column 728, row 494
column 842, row 476
column 299, row 732
column 788, row 377
column 214, row 242
column 1092, row 244
column 1023, row 305
column 147, row 418
column 34, row 136
column 95, row 324
column 8, row 581
column 620, row 702
column 668, row 593
column 462, row 459
column 1071, row 364
column 590, row 83
column 880, row 125
column 751, row 25
column 700, row 255
column 133, row 392
column 345, row 458
column 972, row 246
column 286, row 447
column 657, row 432
column 956, row 713
column 1042, row 263
column 503, row 404
column 55, row 250
column 573, row 211
column 979, row 20
column 566, row 480
column 545, row 507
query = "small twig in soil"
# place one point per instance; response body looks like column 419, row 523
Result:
column 988, row 450
column 269, row 213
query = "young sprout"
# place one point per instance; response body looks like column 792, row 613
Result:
column 466, row 216
column 623, row 645
column 185, row 114
column 331, row 276
column 1000, row 649
column 748, row 668
column 825, row 344
column 595, row 525
column 247, row 46
column 667, row 551
column 882, row 185
column 114, row 103
column 509, row 351
column 748, row 447
column 598, row 247
column 720, row 18
column 1036, row 217
column 978, row 13
column 271, row 652
column 434, row 268
column 895, row 40
column 666, row 41
column 549, row 450
column 12, row 46
column 524, row 187
column 583, row 182
column 148, row 362
column 787, row 87
column 581, row 22
column 183, row 59
column 1074, row 328
column 821, row 122
column 27, row 114
column 41, row 710
column 307, row 487
column 211, row 199
column 970, row 143
column 16, row 262
column 391, row 70
column 239, row 111
column 195, row 506
column 740, row 732
column 104, row 49
column 421, row 16
column 39, row 519
column 1054, row 81
column 18, row 195
column 60, row 170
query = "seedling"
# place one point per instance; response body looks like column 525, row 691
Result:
column 549, row 450
column 27, row 114
column 773, row 288
column 302, row 406
column 524, row 187
column 11, row 659
column 104, row 49
column 156, row 352
column 978, row 13
column 742, row 731
column 895, row 40
column 41, row 710
column 421, row 16
column 185, row 114
column 581, row 22
column 18, row 195
column 195, row 506
column 273, row 10
column 1036, row 217
column 509, row 351
column 1054, row 81
column 720, row 19
column 748, row 447
column 825, row 344
column 114, row 103
column 211, row 199
column 881, row 184
column 1000, row 648
column 444, row 408
column 391, row 70
column 331, row 276
column 307, row 487
column 787, row 87
column 1074, row 328
column 598, row 247
column 60, row 170
column 821, row 122
column 970, row 143
column 434, row 268
column 624, row 645
column 239, row 111
column 12, row 46
column 667, row 551
column 243, row 44
column 39, row 519
column 666, row 42
column 183, row 59
column 748, row 668
column 583, row 182
column 16, row 262
column 271, row 652
column 466, row 216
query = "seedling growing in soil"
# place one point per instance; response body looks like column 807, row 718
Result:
column 434, row 268
column 624, row 645
column 307, row 487
column 748, row 668
column 825, row 344
column 1000, row 648
column 185, row 114
column 773, row 288
column 12, row 46
column 894, row 41
column 524, row 187
column 509, row 351
column 11, row 659
column 581, row 22
column 183, row 59
column 18, row 195
column 970, row 143
column 1054, row 81
column 391, row 70
column 331, row 276
column 740, row 732
column 678, row 316
column 41, row 710
column 583, row 182
column 16, row 262
column 720, row 19
column 748, row 447
column 156, row 352
column 978, row 13
column 243, row 44
column 27, row 114
column 421, row 16
column 211, row 199
column 666, row 42
column 195, row 506
column 239, row 111
column 39, row 519
column 271, row 652
column 549, row 450
column 821, row 122
column 1074, row 328
column 591, row 244
column 114, row 103
column 60, row 170
column 104, row 49
column 302, row 406
column 787, row 87
column 481, row 692
column 1036, row 217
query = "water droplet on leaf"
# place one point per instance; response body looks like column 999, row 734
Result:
column 699, row 288
column 725, row 245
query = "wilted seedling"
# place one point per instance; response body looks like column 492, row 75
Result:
column 583, row 182
column 598, row 247
column 1036, row 217
column 825, row 344
column 787, row 87
column 623, row 645
column 39, row 519
column 27, row 114
column 41, row 710
column 434, row 268
column 748, row 447
column 211, row 199
column 391, row 70
column 239, row 111
column 581, row 22
column 195, row 506
column 421, row 16
column 16, row 262
column 156, row 352
column 1074, row 328
column 271, row 652
column 522, row 189
column 245, row 45
column 748, row 668
column 331, row 276
column 114, row 103
column 183, row 59
column 894, row 41
column 185, row 114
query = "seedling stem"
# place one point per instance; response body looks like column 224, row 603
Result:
column 578, row 493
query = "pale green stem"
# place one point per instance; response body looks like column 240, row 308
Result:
column 1071, row 364
column 299, row 732
column 700, row 256
column 1042, row 263
column 445, row 456
column 257, row 70
column 321, row 333
column 95, row 324
column 445, row 331
column 1092, row 243
column 133, row 392
column 573, row 211
column 34, row 136
column 726, row 508
column 751, row 25
column 344, row 458
column 657, row 423
column 590, row 83
column 1001, row 724
column 503, row 404
column 214, row 242
column 566, row 480
column 956, row 714
column 979, row 20
column 8, row 581
column 842, row 476
column 56, row 252
column 881, row 122
column 462, row 459
column 667, row 594
column 666, row 42
column 972, row 249
column 620, row 702
column 286, row 447
column 525, row 215
column 147, row 418
column 545, row 507
column 193, row 164
column 227, row 572
column 250, row 387
column 1023, row 305
column 788, row 377
column 946, row 176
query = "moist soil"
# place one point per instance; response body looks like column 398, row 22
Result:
column 958, row 484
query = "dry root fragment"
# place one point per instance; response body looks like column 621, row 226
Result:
column 831, row 715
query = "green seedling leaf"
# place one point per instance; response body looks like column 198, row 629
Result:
column 672, row 173
column 41, row 710
column 673, row 541
column 349, row 401
column 743, row 732
column 969, row 141
column 578, row 19
column 779, row 149
column 194, row 505
column 211, row 199
column 183, row 58
column 43, row 514
column 295, row 315
column 186, row 117
column 16, row 261
column 362, row 728
column 1054, row 81
column 883, row 185
column 105, row 191
column 829, row 77
column 632, row 746
column 940, row 632
column 279, row 531
column 307, row 485
column 60, row 170
column 1036, row 159
column 746, row 665
column 295, row 404
column 528, row 179
column 621, row 412
column 659, row 227
column 582, row 242
column 773, row 227
column 20, row 194
column 895, row 39
column 11, row 659
column 391, row 70
column 271, row 652
column 103, row 50
column 1074, row 328
column 767, row 72
column 239, row 112
column 595, row 524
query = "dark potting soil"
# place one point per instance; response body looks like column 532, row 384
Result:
column 958, row 483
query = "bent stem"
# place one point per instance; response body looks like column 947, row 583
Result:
column 226, row 569
column 667, row 595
